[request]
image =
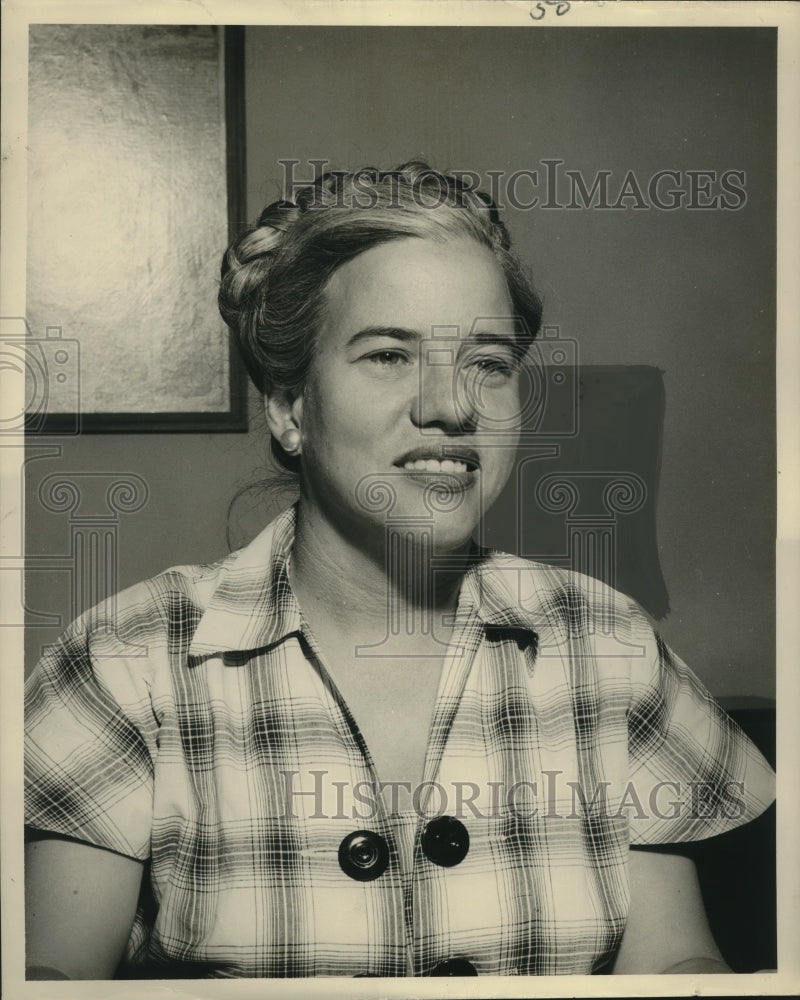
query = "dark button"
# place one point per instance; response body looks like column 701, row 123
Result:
column 364, row 855
column 445, row 841
column 454, row 967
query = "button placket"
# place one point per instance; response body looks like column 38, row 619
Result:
column 363, row 855
column 448, row 840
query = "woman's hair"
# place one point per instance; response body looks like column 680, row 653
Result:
column 274, row 275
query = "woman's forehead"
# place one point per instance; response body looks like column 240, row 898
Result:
column 417, row 283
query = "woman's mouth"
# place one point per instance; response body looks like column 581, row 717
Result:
column 455, row 471
column 452, row 460
column 436, row 465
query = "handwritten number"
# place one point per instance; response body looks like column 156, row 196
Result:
column 539, row 10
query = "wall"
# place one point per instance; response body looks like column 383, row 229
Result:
column 689, row 292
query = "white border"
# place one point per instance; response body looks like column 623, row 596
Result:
column 786, row 17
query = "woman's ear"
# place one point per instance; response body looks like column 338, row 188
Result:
column 285, row 419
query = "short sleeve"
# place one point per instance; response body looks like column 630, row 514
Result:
column 89, row 746
column 693, row 773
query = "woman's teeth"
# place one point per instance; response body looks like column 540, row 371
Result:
column 434, row 465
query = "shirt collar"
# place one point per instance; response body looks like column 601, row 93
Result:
column 252, row 604
column 499, row 589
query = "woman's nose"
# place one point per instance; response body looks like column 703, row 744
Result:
column 442, row 399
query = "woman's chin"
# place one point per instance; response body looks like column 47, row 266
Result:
column 448, row 535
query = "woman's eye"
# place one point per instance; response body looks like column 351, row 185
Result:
column 387, row 359
column 488, row 365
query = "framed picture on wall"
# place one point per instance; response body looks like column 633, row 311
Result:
column 135, row 184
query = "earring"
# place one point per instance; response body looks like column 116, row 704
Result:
column 290, row 441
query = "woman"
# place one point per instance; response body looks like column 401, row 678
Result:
column 361, row 746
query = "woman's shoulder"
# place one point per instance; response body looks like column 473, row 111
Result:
column 145, row 610
column 531, row 581
column 562, row 605
column 169, row 605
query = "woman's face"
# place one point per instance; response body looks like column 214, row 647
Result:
column 413, row 392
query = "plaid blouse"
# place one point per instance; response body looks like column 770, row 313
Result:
column 189, row 722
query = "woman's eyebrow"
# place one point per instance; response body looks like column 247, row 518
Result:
column 405, row 335
column 486, row 337
column 395, row 332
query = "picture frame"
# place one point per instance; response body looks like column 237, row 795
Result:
column 95, row 359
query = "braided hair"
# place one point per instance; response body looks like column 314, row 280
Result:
column 274, row 275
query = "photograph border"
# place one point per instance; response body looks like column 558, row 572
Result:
column 786, row 17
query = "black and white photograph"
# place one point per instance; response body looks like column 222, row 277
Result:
column 399, row 464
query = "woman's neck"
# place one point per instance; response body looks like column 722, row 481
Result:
column 399, row 590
